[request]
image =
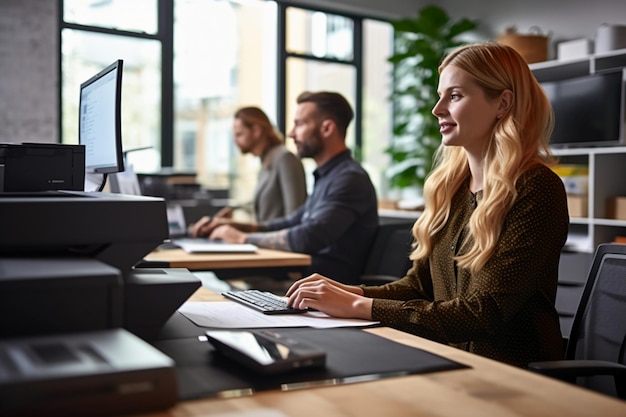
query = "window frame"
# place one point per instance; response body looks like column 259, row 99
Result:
column 356, row 62
column 164, row 34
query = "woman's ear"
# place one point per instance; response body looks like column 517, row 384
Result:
column 506, row 102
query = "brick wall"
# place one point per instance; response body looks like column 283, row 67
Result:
column 29, row 71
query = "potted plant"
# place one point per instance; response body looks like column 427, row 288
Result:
column 419, row 45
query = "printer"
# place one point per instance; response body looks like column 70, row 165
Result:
column 41, row 166
column 76, row 312
column 67, row 259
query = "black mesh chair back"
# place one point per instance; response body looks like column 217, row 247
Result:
column 599, row 327
column 389, row 255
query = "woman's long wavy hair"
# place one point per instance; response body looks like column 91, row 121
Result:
column 251, row 116
column 519, row 140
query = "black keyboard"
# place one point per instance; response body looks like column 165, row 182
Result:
column 265, row 302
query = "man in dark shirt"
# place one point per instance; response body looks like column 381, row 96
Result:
column 338, row 221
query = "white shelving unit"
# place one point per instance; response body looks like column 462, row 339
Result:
column 607, row 178
column 607, row 165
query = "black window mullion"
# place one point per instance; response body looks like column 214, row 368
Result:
column 60, row 70
column 358, row 105
column 281, row 66
column 166, row 34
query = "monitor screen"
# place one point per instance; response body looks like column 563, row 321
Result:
column 99, row 120
column 589, row 110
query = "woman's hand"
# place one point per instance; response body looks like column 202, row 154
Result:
column 330, row 297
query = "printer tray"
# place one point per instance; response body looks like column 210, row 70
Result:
column 98, row 373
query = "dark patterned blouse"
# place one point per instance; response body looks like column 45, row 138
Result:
column 506, row 310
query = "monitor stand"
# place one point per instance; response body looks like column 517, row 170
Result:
column 93, row 182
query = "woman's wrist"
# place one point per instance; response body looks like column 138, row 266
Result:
column 354, row 289
column 362, row 307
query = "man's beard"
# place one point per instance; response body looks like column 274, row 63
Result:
column 312, row 146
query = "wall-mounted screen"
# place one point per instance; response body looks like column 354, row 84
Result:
column 589, row 110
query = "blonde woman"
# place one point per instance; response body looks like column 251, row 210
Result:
column 485, row 261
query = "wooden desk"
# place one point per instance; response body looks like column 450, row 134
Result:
column 488, row 388
column 263, row 258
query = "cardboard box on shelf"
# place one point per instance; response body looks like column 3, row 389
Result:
column 575, row 178
column 577, row 205
column 616, row 208
column 384, row 203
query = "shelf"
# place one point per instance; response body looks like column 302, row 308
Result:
column 609, row 222
column 599, row 221
column 558, row 70
column 579, row 151
column 579, row 220
column 610, row 60
column 561, row 69
column 607, row 166
column 606, row 170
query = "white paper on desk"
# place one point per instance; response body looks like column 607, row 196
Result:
column 228, row 314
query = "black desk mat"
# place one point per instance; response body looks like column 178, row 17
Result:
column 352, row 355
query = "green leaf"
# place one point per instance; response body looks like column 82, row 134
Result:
column 462, row 26
column 419, row 46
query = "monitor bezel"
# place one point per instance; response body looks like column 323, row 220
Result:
column 118, row 166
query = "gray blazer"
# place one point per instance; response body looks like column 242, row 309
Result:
column 281, row 184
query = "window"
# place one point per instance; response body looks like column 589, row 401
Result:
column 324, row 51
column 188, row 69
column 377, row 110
column 224, row 58
column 319, row 34
column 136, row 15
column 84, row 52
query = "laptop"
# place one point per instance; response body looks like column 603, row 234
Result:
column 179, row 236
column 125, row 182
column 204, row 245
column 176, row 221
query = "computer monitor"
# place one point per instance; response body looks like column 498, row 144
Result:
column 99, row 121
column 589, row 110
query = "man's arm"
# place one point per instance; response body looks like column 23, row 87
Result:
column 271, row 240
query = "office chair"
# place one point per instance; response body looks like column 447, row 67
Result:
column 388, row 259
column 595, row 356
